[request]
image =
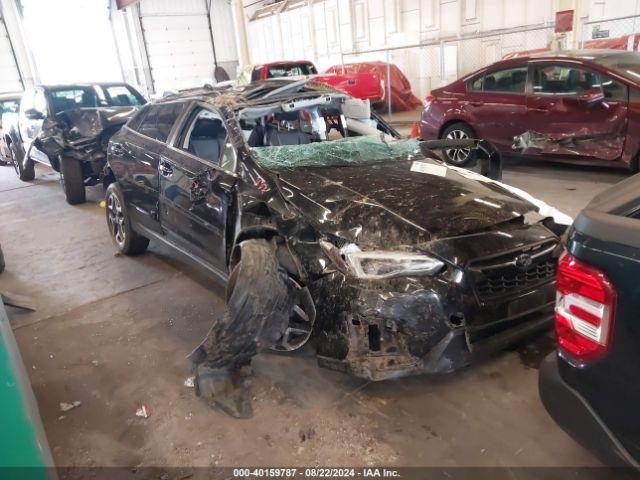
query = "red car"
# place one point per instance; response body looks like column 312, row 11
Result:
column 578, row 106
column 363, row 85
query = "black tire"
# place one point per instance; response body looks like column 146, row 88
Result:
column 25, row 173
column 126, row 240
column 460, row 157
column 72, row 180
column 258, row 308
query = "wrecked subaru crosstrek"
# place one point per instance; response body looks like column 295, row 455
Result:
column 326, row 226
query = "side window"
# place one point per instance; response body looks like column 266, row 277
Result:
column 159, row 119
column 563, row 80
column 121, row 96
column 206, row 137
column 136, row 120
column 475, row 84
column 511, row 80
column 613, row 90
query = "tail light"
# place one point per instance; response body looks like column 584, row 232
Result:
column 428, row 100
column 585, row 310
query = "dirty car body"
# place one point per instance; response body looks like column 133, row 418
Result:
column 411, row 266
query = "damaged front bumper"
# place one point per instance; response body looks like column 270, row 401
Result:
column 415, row 325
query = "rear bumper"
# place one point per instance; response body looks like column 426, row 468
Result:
column 574, row 414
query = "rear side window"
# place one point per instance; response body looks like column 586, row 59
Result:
column 122, row 96
column 157, row 120
column 510, row 80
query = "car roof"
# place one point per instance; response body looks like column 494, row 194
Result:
column 82, row 85
column 10, row 95
column 252, row 93
column 588, row 55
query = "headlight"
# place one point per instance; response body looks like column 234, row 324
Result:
column 378, row 264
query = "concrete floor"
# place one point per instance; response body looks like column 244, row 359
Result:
column 113, row 333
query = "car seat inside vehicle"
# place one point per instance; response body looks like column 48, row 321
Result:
column 207, row 139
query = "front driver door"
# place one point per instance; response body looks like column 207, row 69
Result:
column 570, row 126
column 196, row 181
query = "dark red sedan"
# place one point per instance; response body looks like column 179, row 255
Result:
column 578, row 106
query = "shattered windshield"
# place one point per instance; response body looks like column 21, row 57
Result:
column 348, row 151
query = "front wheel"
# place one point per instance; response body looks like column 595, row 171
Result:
column 25, row 173
column 126, row 240
column 72, row 180
column 460, row 157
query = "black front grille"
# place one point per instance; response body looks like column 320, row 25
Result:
column 511, row 279
column 501, row 275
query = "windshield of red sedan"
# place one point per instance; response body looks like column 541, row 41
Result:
column 626, row 64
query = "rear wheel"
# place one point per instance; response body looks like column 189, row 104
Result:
column 25, row 173
column 126, row 240
column 459, row 157
column 72, row 180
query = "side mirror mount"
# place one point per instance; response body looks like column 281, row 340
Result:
column 33, row 114
column 592, row 97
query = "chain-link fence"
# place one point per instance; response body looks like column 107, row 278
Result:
column 431, row 65
column 618, row 33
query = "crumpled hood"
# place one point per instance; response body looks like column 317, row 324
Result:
column 400, row 202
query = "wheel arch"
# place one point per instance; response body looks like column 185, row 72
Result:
column 452, row 121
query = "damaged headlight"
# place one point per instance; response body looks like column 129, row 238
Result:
column 377, row 264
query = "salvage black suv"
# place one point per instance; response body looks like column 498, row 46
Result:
column 68, row 127
column 391, row 261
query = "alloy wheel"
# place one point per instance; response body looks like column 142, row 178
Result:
column 116, row 220
column 301, row 322
column 458, row 155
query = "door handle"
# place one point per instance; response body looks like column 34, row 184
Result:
column 541, row 109
column 165, row 168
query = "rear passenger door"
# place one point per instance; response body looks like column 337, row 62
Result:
column 497, row 105
column 557, row 108
column 196, row 180
column 135, row 158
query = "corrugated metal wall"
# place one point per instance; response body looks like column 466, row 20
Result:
column 177, row 38
column 9, row 75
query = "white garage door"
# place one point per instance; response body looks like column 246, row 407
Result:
column 9, row 76
column 178, row 43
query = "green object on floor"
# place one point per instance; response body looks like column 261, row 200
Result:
column 24, row 450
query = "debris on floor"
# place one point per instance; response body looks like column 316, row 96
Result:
column 190, row 382
column 17, row 301
column 65, row 407
column 143, row 412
